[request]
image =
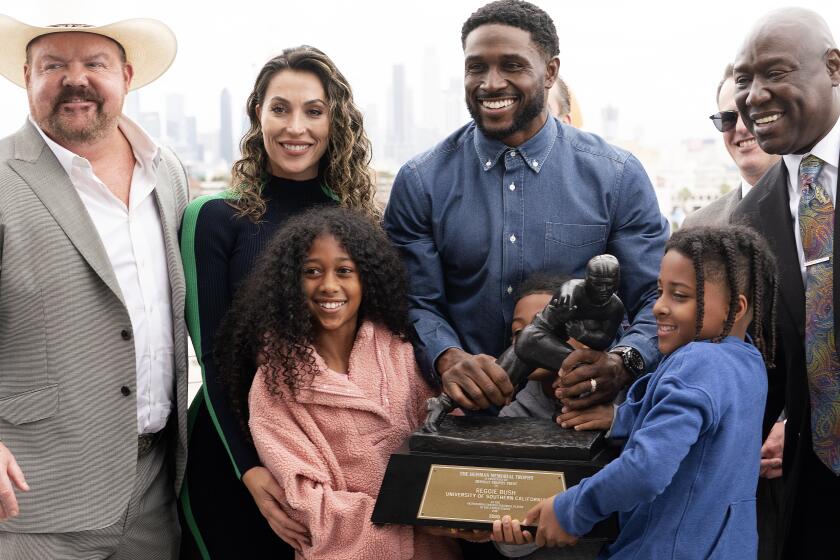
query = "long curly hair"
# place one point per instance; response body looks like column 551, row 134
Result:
column 269, row 322
column 345, row 167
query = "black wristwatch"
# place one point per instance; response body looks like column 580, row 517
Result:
column 633, row 361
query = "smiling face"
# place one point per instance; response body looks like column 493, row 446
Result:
column 506, row 80
column 748, row 156
column 295, row 123
column 332, row 287
column 676, row 308
column 76, row 84
column 786, row 78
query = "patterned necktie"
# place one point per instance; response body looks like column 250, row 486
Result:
column 816, row 226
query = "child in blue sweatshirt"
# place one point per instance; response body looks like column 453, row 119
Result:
column 684, row 484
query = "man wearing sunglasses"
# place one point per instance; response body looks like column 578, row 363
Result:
column 751, row 160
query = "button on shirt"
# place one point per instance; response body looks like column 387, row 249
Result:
column 828, row 150
column 473, row 218
column 133, row 239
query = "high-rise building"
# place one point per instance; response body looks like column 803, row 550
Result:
column 399, row 126
column 150, row 122
column 454, row 107
column 431, row 101
column 194, row 150
column 131, row 108
column 175, row 119
column 226, row 128
column 609, row 114
column 399, row 112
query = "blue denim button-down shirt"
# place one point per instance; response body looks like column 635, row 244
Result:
column 473, row 218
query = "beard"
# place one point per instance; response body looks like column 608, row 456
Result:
column 521, row 119
column 63, row 130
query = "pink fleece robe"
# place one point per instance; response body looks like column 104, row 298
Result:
column 328, row 446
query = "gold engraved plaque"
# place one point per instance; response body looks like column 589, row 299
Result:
column 455, row 493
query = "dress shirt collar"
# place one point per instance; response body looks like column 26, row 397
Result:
column 534, row 151
column 146, row 152
column 827, row 149
column 745, row 187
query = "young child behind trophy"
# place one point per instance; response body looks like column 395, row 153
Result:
column 536, row 400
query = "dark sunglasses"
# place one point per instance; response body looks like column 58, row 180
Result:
column 725, row 120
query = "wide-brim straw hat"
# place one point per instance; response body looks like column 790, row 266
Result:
column 149, row 45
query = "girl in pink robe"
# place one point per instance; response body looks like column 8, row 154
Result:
column 338, row 390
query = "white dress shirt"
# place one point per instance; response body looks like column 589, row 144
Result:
column 745, row 188
column 133, row 240
column 828, row 150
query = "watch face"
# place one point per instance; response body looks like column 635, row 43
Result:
column 632, row 360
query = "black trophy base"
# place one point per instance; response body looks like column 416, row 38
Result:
column 473, row 443
column 534, row 438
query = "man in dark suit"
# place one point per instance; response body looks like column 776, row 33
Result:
column 787, row 76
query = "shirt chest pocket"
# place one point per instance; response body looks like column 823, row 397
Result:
column 569, row 246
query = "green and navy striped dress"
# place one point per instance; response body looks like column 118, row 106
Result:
column 220, row 519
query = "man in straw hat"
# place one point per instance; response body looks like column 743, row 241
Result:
column 93, row 364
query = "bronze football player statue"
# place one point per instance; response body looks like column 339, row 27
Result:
column 587, row 310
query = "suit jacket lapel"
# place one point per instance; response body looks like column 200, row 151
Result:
column 165, row 200
column 732, row 202
column 167, row 180
column 38, row 167
column 775, row 211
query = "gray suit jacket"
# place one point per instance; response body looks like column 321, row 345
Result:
column 717, row 212
column 66, row 349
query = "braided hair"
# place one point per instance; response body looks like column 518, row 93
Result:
column 737, row 257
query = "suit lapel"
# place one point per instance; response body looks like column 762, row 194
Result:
column 39, row 168
column 165, row 201
column 775, row 212
column 732, row 201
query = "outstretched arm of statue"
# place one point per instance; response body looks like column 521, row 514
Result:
column 564, row 300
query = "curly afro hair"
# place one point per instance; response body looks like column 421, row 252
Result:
column 269, row 323
column 517, row 13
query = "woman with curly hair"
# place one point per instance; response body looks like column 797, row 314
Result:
column 306, row 147
column 338, row 389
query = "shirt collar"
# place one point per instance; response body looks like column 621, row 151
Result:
column 745, row 187
column 827, row 149
column 146, row 152
column 534, row 151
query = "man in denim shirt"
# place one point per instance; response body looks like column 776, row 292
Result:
column 511, row 193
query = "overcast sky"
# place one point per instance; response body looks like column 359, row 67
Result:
column 657, row 62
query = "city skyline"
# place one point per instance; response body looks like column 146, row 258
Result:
column 644, row 75
column 657, row 62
